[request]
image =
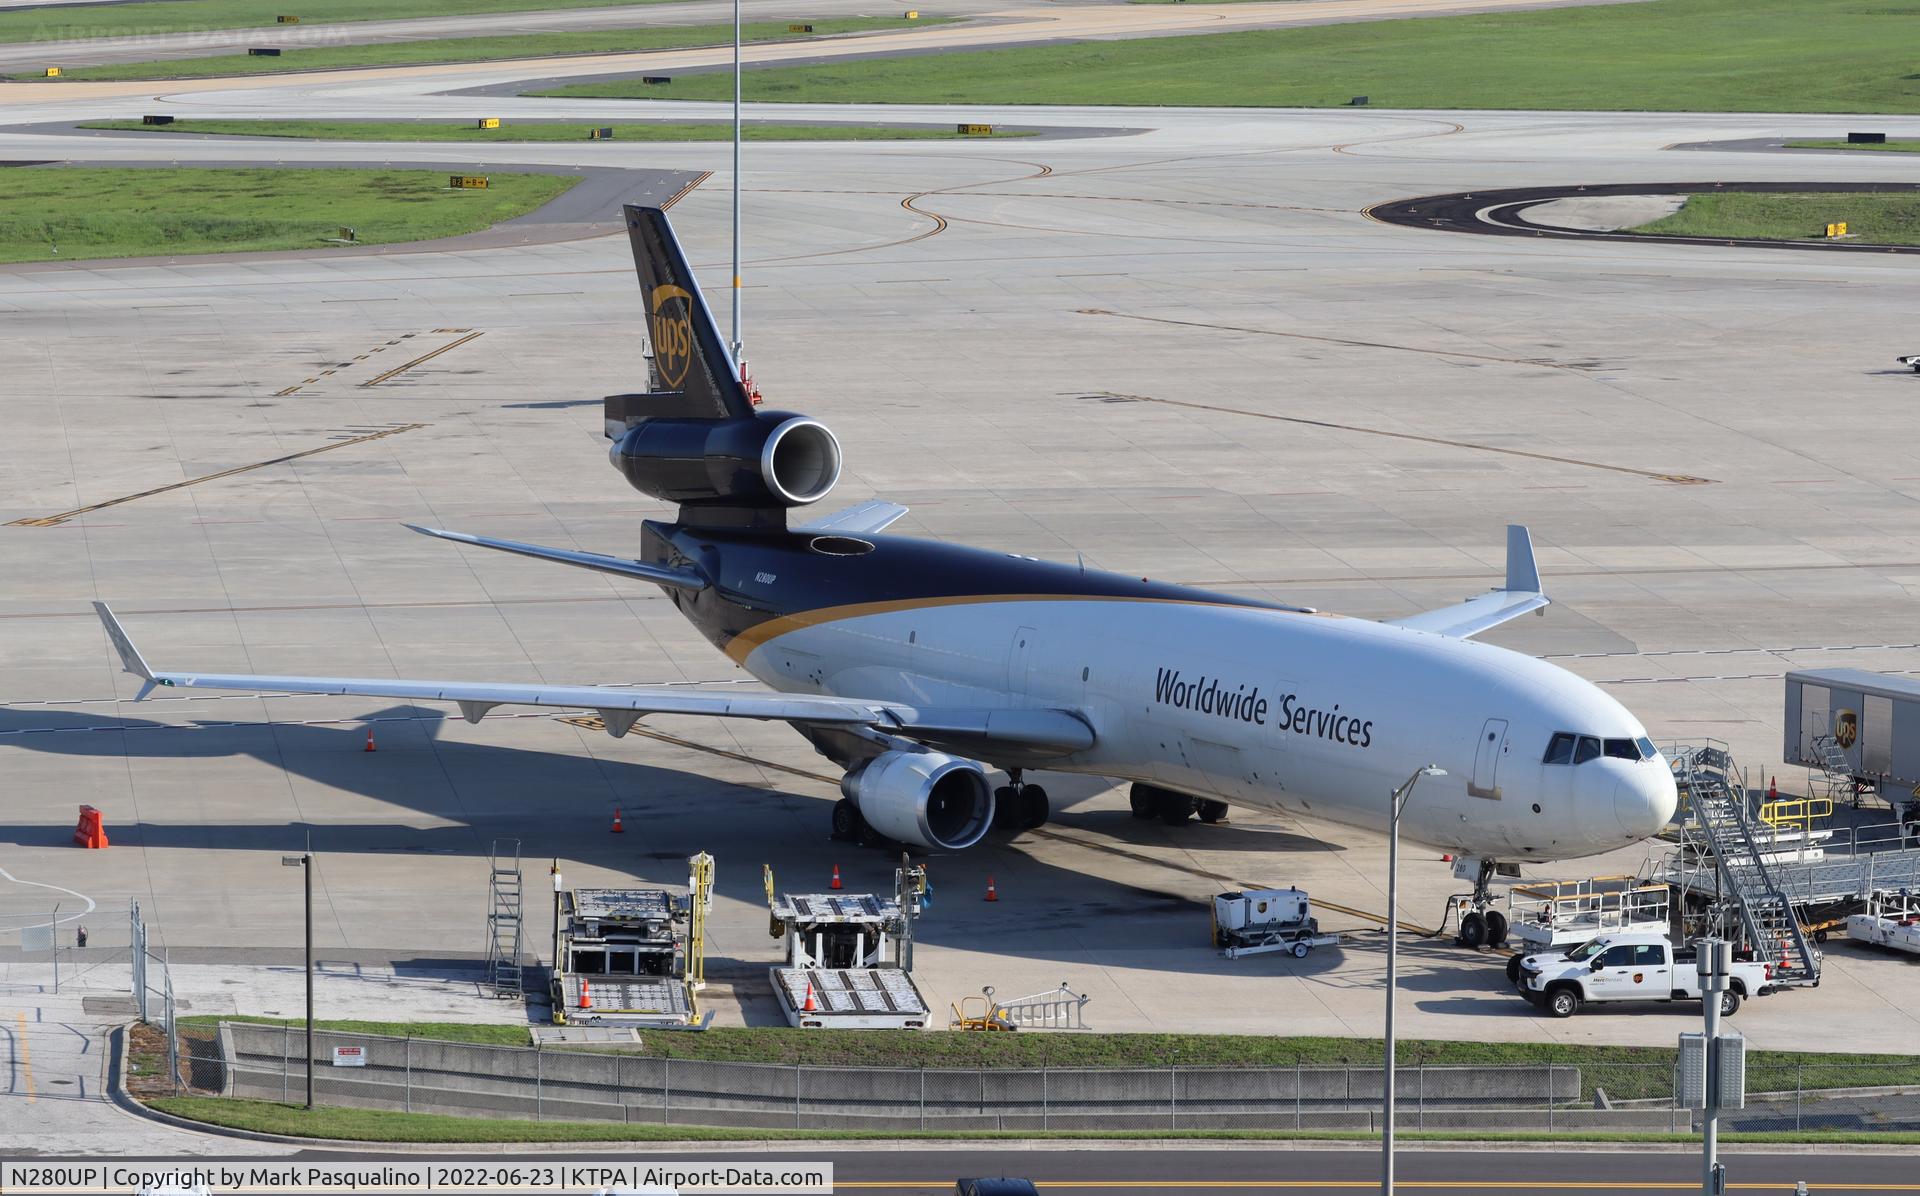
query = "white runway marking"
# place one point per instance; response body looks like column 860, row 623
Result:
column 91, row 905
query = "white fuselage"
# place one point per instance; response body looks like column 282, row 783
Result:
column 1304, row 713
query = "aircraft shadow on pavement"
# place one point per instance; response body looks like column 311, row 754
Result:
column 558, row 803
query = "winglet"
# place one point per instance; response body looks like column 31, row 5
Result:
column 130, row 658
column 1523, row 575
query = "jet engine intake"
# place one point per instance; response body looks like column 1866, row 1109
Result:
column 775, row 458
column 923, row 798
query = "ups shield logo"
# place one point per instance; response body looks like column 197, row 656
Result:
column 672, row 326
column 1846, row 728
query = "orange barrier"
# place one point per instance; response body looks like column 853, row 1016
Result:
column 91, row 832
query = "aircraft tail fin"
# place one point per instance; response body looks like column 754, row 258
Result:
column 695, row 375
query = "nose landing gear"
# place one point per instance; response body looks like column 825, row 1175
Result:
column 1481, row 925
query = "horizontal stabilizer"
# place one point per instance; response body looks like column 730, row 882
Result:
column 861, row 519
column 1522, row 593
column 679, row 579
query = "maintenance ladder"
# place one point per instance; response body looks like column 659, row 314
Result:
column 503, row 920
column 1717, row 806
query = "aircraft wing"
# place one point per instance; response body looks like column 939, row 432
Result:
column 865, row 518
column 1521, row 594
column 1047, row 732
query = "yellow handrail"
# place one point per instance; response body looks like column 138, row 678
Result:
column 1798, row 813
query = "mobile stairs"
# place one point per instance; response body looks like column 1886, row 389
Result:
column 1725, row 861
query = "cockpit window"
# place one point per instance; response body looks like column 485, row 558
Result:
column 1647, row 750
column 1568, row 748
column 1622, row 749
column 1560, row 749
column 1587, row 749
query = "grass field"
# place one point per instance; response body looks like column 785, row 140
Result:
column 480, row 49
column 188, row 16
column 1671, row 55
column 1889, row 147
column 60, row 214
column 1623, row 1071
column 1877, row 219
column 368, row 1125
column 409, row 130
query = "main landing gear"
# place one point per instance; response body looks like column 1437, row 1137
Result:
column 1149, row 801
column 1020, row 807
column 1481, row 925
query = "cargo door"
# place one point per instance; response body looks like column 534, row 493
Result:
column 1486, row 759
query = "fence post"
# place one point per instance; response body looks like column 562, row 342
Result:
column 1046, row 1106
column 923, row 1099
column 799, row 1078
column 1550, row 1097
column 666, row 1089
column 539, row 1082
column 1298, row 1096
column 1423, row 1094
column 286, row 1057
column 407, row 1089
column 1173, row 1098
column 1798, row 1089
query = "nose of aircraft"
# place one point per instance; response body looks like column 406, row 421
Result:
column 1645, row 798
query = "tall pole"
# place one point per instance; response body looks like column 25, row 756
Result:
column 1711, row 961
column 1396, row 801
column 306, row 868
column 736, row 183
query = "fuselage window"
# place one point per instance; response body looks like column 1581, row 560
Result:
column 1587, row 749
column 1559, row 749
column 1623, row 749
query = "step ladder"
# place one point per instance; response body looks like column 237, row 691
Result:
column 504, row 920
column 1717, row 801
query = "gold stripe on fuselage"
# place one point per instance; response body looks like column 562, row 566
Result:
column 742, row 645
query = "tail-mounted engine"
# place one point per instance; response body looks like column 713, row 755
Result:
column 769, row 459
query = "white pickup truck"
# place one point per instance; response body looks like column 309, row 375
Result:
column 1628, row 967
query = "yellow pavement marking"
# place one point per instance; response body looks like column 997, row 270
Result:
column 424, row 357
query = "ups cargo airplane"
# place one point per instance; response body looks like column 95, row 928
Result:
column 916, row 665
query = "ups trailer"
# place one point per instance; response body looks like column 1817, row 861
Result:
column 1856, row 727
column 1261, row 920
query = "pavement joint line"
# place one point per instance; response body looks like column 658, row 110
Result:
column 422, row 359
column 1675, row 478
column 62, row 517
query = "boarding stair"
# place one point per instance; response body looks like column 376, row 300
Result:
column 504, row 974
column 1717, row 807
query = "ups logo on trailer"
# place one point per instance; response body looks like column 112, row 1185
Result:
column 672, row 326
column 1846, row 728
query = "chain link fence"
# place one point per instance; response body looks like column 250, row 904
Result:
column 153, row 997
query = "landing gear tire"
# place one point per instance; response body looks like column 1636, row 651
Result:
column 1143, row 801
column 1729, row 1003
column 1563, row 1002
column 847, row 823
column 1034, row 807
column 1496, row 928
column 1513, row 969
column 1006, row 808
column 1175, row 808
column 1473, row 930
column 1211, row 811
column 1820, row 937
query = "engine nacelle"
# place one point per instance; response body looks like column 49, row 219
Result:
column 923, row 798
column 776, row 458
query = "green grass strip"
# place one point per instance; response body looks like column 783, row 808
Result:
column 63, row 214
column 1874, row 219
column 407, row 130
column 370, row 1125
column 481, row 49
column 192, row 16
column 1887, row 147
column 1667, row 55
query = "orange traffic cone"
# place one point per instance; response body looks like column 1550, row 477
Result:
column 834, row 884
column 808, row 1006
column 1446, row 857
column 369, row 738
column 586, row 1002
column 1785, row 962
column 618, row 829
column 992, row 893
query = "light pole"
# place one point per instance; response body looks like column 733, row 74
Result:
column 1397, row 801
column 558, row 888
column 736, row 184
column 304, row 862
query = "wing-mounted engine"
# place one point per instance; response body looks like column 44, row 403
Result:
column 925, row 799
column 697, row 437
